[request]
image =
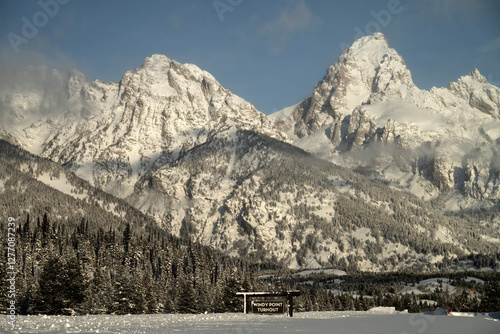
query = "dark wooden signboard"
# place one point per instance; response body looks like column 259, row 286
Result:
column 268, row 306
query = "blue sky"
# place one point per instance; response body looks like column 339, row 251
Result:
column 270, row 52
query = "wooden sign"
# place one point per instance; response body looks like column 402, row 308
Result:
column 268, row 306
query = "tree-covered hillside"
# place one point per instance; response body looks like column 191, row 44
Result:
column 88, row 252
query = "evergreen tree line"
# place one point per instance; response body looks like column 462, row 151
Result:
column 89, row 270
column 363, row 290
column 92, row 270
column 317, row 299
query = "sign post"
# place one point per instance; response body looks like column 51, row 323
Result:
column 273, row 306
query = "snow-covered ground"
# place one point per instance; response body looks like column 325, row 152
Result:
column 379, row 320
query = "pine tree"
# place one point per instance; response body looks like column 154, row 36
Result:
column 203, row 301
column 61, row 287
column 151, row 290
column 232, row 303
column 75, row 282
column 129, row 294
column 48, row 299
column 127, row 236
column 99, row 295
column 186, row 302
column 26, row 231
column 461, row 301
column 337, row 305
column 491, row 298
column 170, row 301
column 27, row 298
column 45, row 230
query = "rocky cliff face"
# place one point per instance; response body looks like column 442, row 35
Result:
column 366, row 113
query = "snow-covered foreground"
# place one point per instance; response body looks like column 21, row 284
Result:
column 373, row 321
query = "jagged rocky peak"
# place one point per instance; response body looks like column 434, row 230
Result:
column 367, row 72
column 166, row 77
column 477, row 76
column 480, row 94
column 156, row 61
column 369, row 69
column 471, row 81
column 161, row 77
column 161, row 63
column 183, row 96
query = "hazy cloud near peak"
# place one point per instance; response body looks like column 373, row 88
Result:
column 38, row 83
column 294, row 19
column 47, row 55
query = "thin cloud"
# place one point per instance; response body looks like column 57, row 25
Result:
column 494, row 45
column 182, row 16
column 449, row 9
column 292, row 20
column 451, row 12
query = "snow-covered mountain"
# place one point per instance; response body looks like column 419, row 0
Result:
column 111, row 134
column 366, row 113
column 174, row 143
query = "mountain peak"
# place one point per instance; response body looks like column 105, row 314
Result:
column 368, row 71
column 470, row 82
column 477, row 76
column 371, row 70
column 156, row 63
column 155, row 59
column 371, row 50
column 369, row 40
column 478, row 92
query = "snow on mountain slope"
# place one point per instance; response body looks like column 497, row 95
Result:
column 113, row 133
column 36, row 185
column 251, row 195
column 366, row 113
column 174, row 143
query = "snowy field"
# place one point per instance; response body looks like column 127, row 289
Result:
column 382, row 321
